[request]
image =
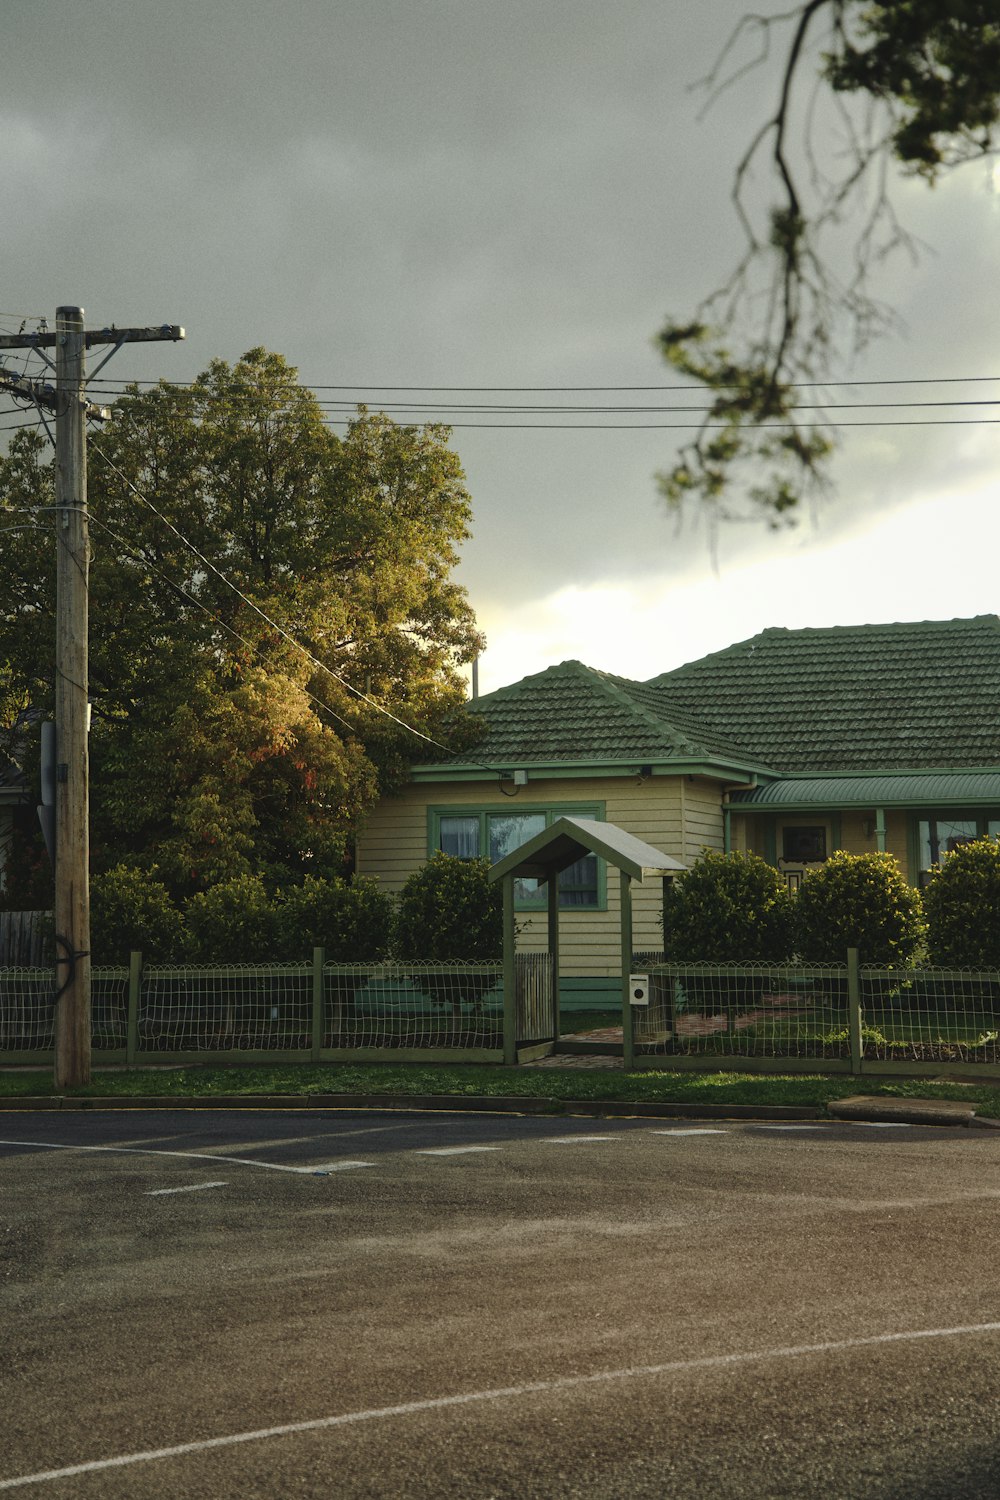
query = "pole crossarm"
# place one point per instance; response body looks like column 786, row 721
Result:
column 165, row 333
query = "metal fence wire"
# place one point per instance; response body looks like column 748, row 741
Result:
column 27, row 1017
column 930, row 1015
column 225, row 1008
column 745, row 1010
column 28, row 1009
column 396, row 1004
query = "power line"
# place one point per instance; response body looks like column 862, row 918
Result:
column 579, row 389
column 286, row 635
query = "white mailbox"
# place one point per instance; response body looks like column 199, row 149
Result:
column 638, row 985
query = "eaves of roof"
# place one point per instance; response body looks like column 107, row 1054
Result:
column 910, row 789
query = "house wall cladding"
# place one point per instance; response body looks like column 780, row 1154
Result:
column 677, row 815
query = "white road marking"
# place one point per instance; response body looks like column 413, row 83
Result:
column 339, row 1166
column 787, row 1127
column 239, row 1161
column 879, row 1124
column 708, row 1130
column 500, row 1393
column 572, row 1140
column 194, row 1187
column 452, row 1150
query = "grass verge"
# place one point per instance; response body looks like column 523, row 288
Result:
column 576, row 1083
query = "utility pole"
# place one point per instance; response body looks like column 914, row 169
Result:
column 72, row 709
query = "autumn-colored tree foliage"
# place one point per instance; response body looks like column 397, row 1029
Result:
column 268, row 601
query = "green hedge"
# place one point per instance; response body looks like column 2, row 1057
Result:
column 727, row 908
column 858, row 901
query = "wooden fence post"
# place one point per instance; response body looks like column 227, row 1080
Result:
column 318, row 1002
column 854, row 1008
column 134, row 993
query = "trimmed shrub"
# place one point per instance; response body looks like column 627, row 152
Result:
column 129, row 909
column 858, row 901
column 233, row 922
column 962, row 906
column 727, row 908
column 353, row 922
column 449, row 911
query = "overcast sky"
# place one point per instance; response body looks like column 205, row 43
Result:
column 492, row 193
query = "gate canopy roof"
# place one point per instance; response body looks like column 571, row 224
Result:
column 569, row 839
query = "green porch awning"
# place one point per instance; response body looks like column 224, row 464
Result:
column 912, row 789
column 569, row 839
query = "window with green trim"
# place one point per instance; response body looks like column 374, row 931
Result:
column 467, row 833
column 938, row 835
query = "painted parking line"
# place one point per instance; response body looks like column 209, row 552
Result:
column 239, row 1161
column 631, row 1374
column 336, row 1166
column 575, row 1140
column 453, row 1150
column 194, row 1187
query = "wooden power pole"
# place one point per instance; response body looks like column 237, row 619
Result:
column 72, row 708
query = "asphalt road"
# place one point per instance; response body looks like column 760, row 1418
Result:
column 394, row 1304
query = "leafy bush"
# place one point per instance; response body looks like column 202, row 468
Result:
column 962, row 906
column 351, row 921
column 727, row 908
column 448, row 910
column 233, row 922
column 129, row 909
column 858, row 901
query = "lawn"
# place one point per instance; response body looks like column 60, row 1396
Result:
column 593, row 1085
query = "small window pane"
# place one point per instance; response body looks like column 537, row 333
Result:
column 459, row 836
column 803, row 845
column 578, row 884
column 508, row 831
column 939, row 836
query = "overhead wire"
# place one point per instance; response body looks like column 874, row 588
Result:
column 285, row 634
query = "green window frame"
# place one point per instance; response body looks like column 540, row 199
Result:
column 577, row 892
column 935, row 831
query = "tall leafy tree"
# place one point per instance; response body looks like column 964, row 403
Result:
column 270, row 605
column 863, row 84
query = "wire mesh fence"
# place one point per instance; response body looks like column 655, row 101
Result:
column 754, row 1010
column 420, row 1005
column 27, row 1015
column 225, row 1008
column 28, row 1009
column 930, row 1015
column 745, row 1010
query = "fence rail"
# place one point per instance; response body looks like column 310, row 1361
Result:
column 840, row 1016
column 298, row 1011
column 835, row 1018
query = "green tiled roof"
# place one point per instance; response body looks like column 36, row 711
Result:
column 572, row 712
column 938, row 789
column 863, row 697
column 858, row 698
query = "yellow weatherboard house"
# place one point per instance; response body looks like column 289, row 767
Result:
column 792, row 744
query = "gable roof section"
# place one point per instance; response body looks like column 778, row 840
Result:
column 572, row 715
column 864, row 697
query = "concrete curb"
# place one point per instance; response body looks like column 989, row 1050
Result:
column 872, row 1108
column 465, row 1103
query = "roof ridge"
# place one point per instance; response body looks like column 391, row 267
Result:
column 615, row 687
column 771, row 632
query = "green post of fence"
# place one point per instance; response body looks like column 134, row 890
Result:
column 132, row 1019
column 509, row 974
column 318, row 1002
column 553, row 929
column 854, row 1007
column 628, row 1040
